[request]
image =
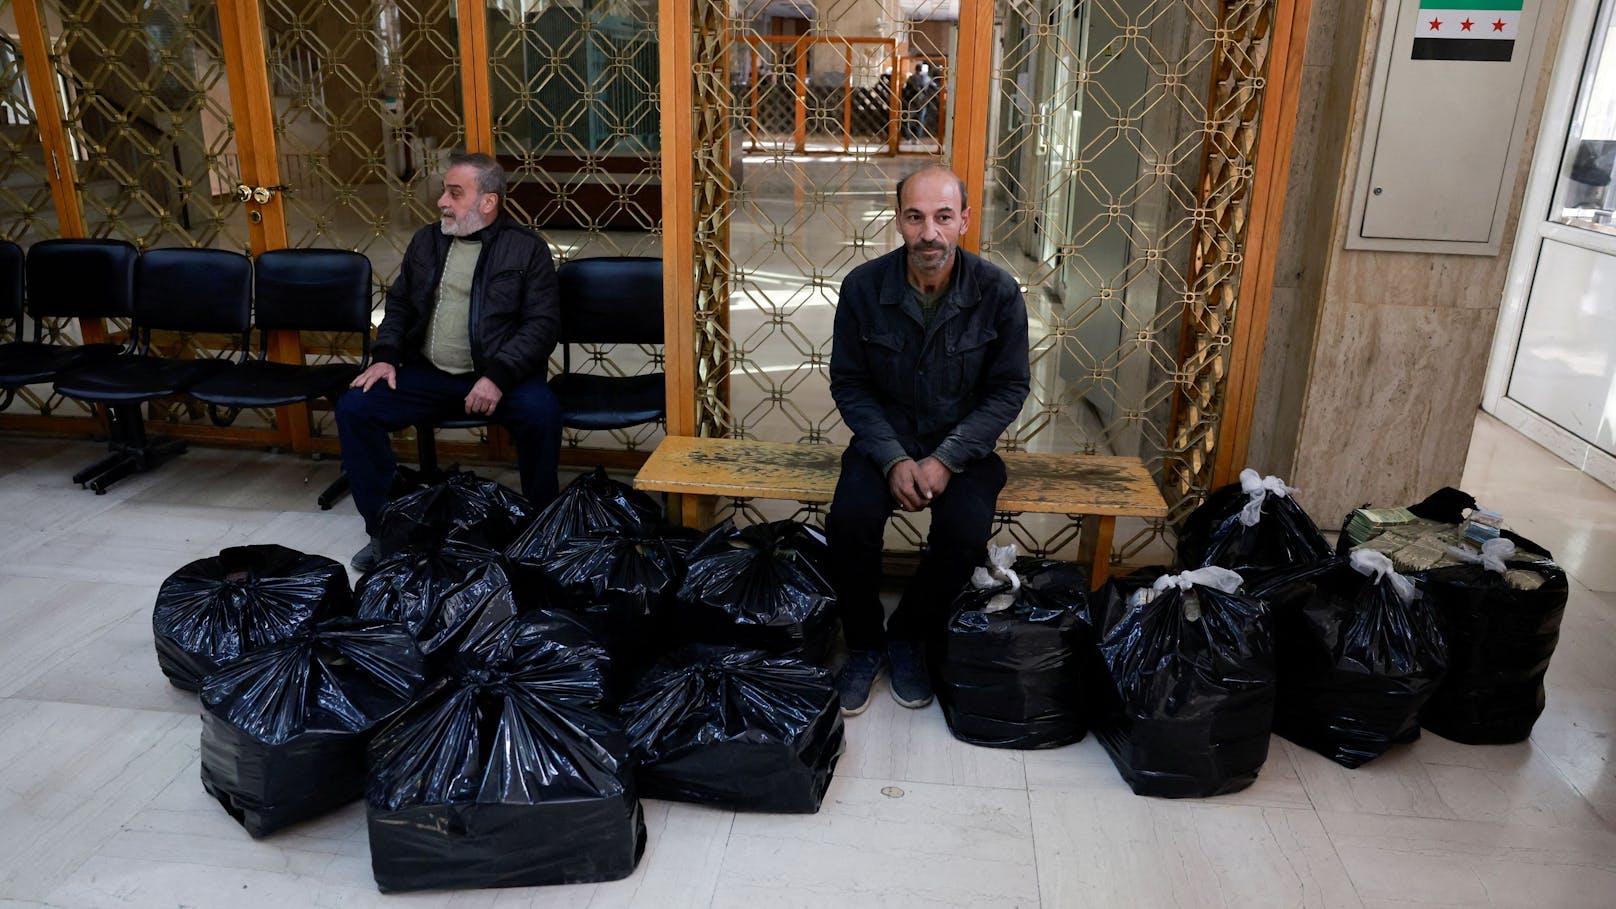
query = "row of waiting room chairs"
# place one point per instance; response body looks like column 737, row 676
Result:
column 608, row 300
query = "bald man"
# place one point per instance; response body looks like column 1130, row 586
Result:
column 928, row 367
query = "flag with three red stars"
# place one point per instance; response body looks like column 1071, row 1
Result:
column 1467, row 30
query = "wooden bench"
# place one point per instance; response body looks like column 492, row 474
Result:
column 1097, row 489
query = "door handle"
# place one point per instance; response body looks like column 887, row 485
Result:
column 258, row 194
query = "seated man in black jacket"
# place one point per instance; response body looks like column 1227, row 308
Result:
column 928, row 366
column 468, row 330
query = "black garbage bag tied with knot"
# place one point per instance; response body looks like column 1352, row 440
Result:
column 1359, row 652
column 736, row 728
column 1009, row 672
column 1501, row 633
column 1254, row 527
column 462, row 505
column 765, row 587
column 620, row 581
column 214, row 610
column 592, row 503
column 510, row 772
column 284, row 729
column 1184, row 682
column 441, row 595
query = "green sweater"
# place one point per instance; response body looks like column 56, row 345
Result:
column 448, row 338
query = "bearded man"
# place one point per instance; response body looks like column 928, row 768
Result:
column 468, row 330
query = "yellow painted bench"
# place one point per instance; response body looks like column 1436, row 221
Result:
column 1098, row 489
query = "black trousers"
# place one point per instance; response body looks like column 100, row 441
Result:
column 529, row 411
column 961, row 523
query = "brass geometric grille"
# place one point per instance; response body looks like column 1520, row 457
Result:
column 26, row 211
column 345, row 78
column 806, row 198
column 1117, row 191
column 577, row 126
column 147, row 110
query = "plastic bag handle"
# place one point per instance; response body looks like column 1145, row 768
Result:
column 995, row 573
column 1259, row 487
column 1379, row 565
column 1493, row 554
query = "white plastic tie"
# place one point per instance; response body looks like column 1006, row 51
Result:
column 1379, row 565
column 1493, row 554
column 1211, row 576
column 1259, row 487
column 998, row 572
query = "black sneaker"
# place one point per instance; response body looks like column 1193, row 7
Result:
column 857, row 677
column 366, row 559
column 911, row 686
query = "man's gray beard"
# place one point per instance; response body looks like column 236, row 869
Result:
column 459, row 228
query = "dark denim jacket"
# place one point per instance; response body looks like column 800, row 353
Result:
column 947, row 389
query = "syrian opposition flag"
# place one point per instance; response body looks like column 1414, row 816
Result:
column 1467, row 30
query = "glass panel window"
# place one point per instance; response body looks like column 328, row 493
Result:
column 1587, row 194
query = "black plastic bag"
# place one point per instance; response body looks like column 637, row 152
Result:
column 1500, row 640
column 284, row 728
column 1254, row 527
column 462, row 505
column 765, row 587
column 1184, row 685
column 508, row 773
column 592, row 503
column 441, row 595
column 1358, row 657
column 1012, row 677
column 739, row 729
column 620, row 581
column 214, row 610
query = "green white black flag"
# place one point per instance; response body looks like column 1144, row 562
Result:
column 1467, row 30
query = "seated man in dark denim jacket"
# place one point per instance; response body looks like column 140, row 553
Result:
column 928, row 366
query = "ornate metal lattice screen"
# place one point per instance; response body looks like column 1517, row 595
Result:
column 26, row 210
column 798, row 175
column 147, row 109
column 1119, row 169
column 27, row 213
column 368, row 106
column 577, row 126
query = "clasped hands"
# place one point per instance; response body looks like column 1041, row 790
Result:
column 482, row 400
column 914, row 484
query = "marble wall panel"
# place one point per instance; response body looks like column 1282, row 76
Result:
column 1391, row 401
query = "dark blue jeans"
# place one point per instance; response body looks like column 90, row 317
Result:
column 530, row 412
column 961, row 523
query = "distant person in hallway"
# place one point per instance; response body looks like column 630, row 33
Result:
column 928, row 366
column 468, row 330
column 918, row 91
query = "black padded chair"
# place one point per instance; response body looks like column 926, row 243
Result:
column 296, row 290
column 185, row 290
column 69, row 279
column 609, row 300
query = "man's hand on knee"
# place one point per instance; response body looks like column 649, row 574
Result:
column 484, row 398
column 906, row 483
column 376, row 372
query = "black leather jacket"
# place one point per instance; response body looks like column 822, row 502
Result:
column 947, row 389
column 515, row 311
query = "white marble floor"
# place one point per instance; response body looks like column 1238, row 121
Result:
column 100, row 803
